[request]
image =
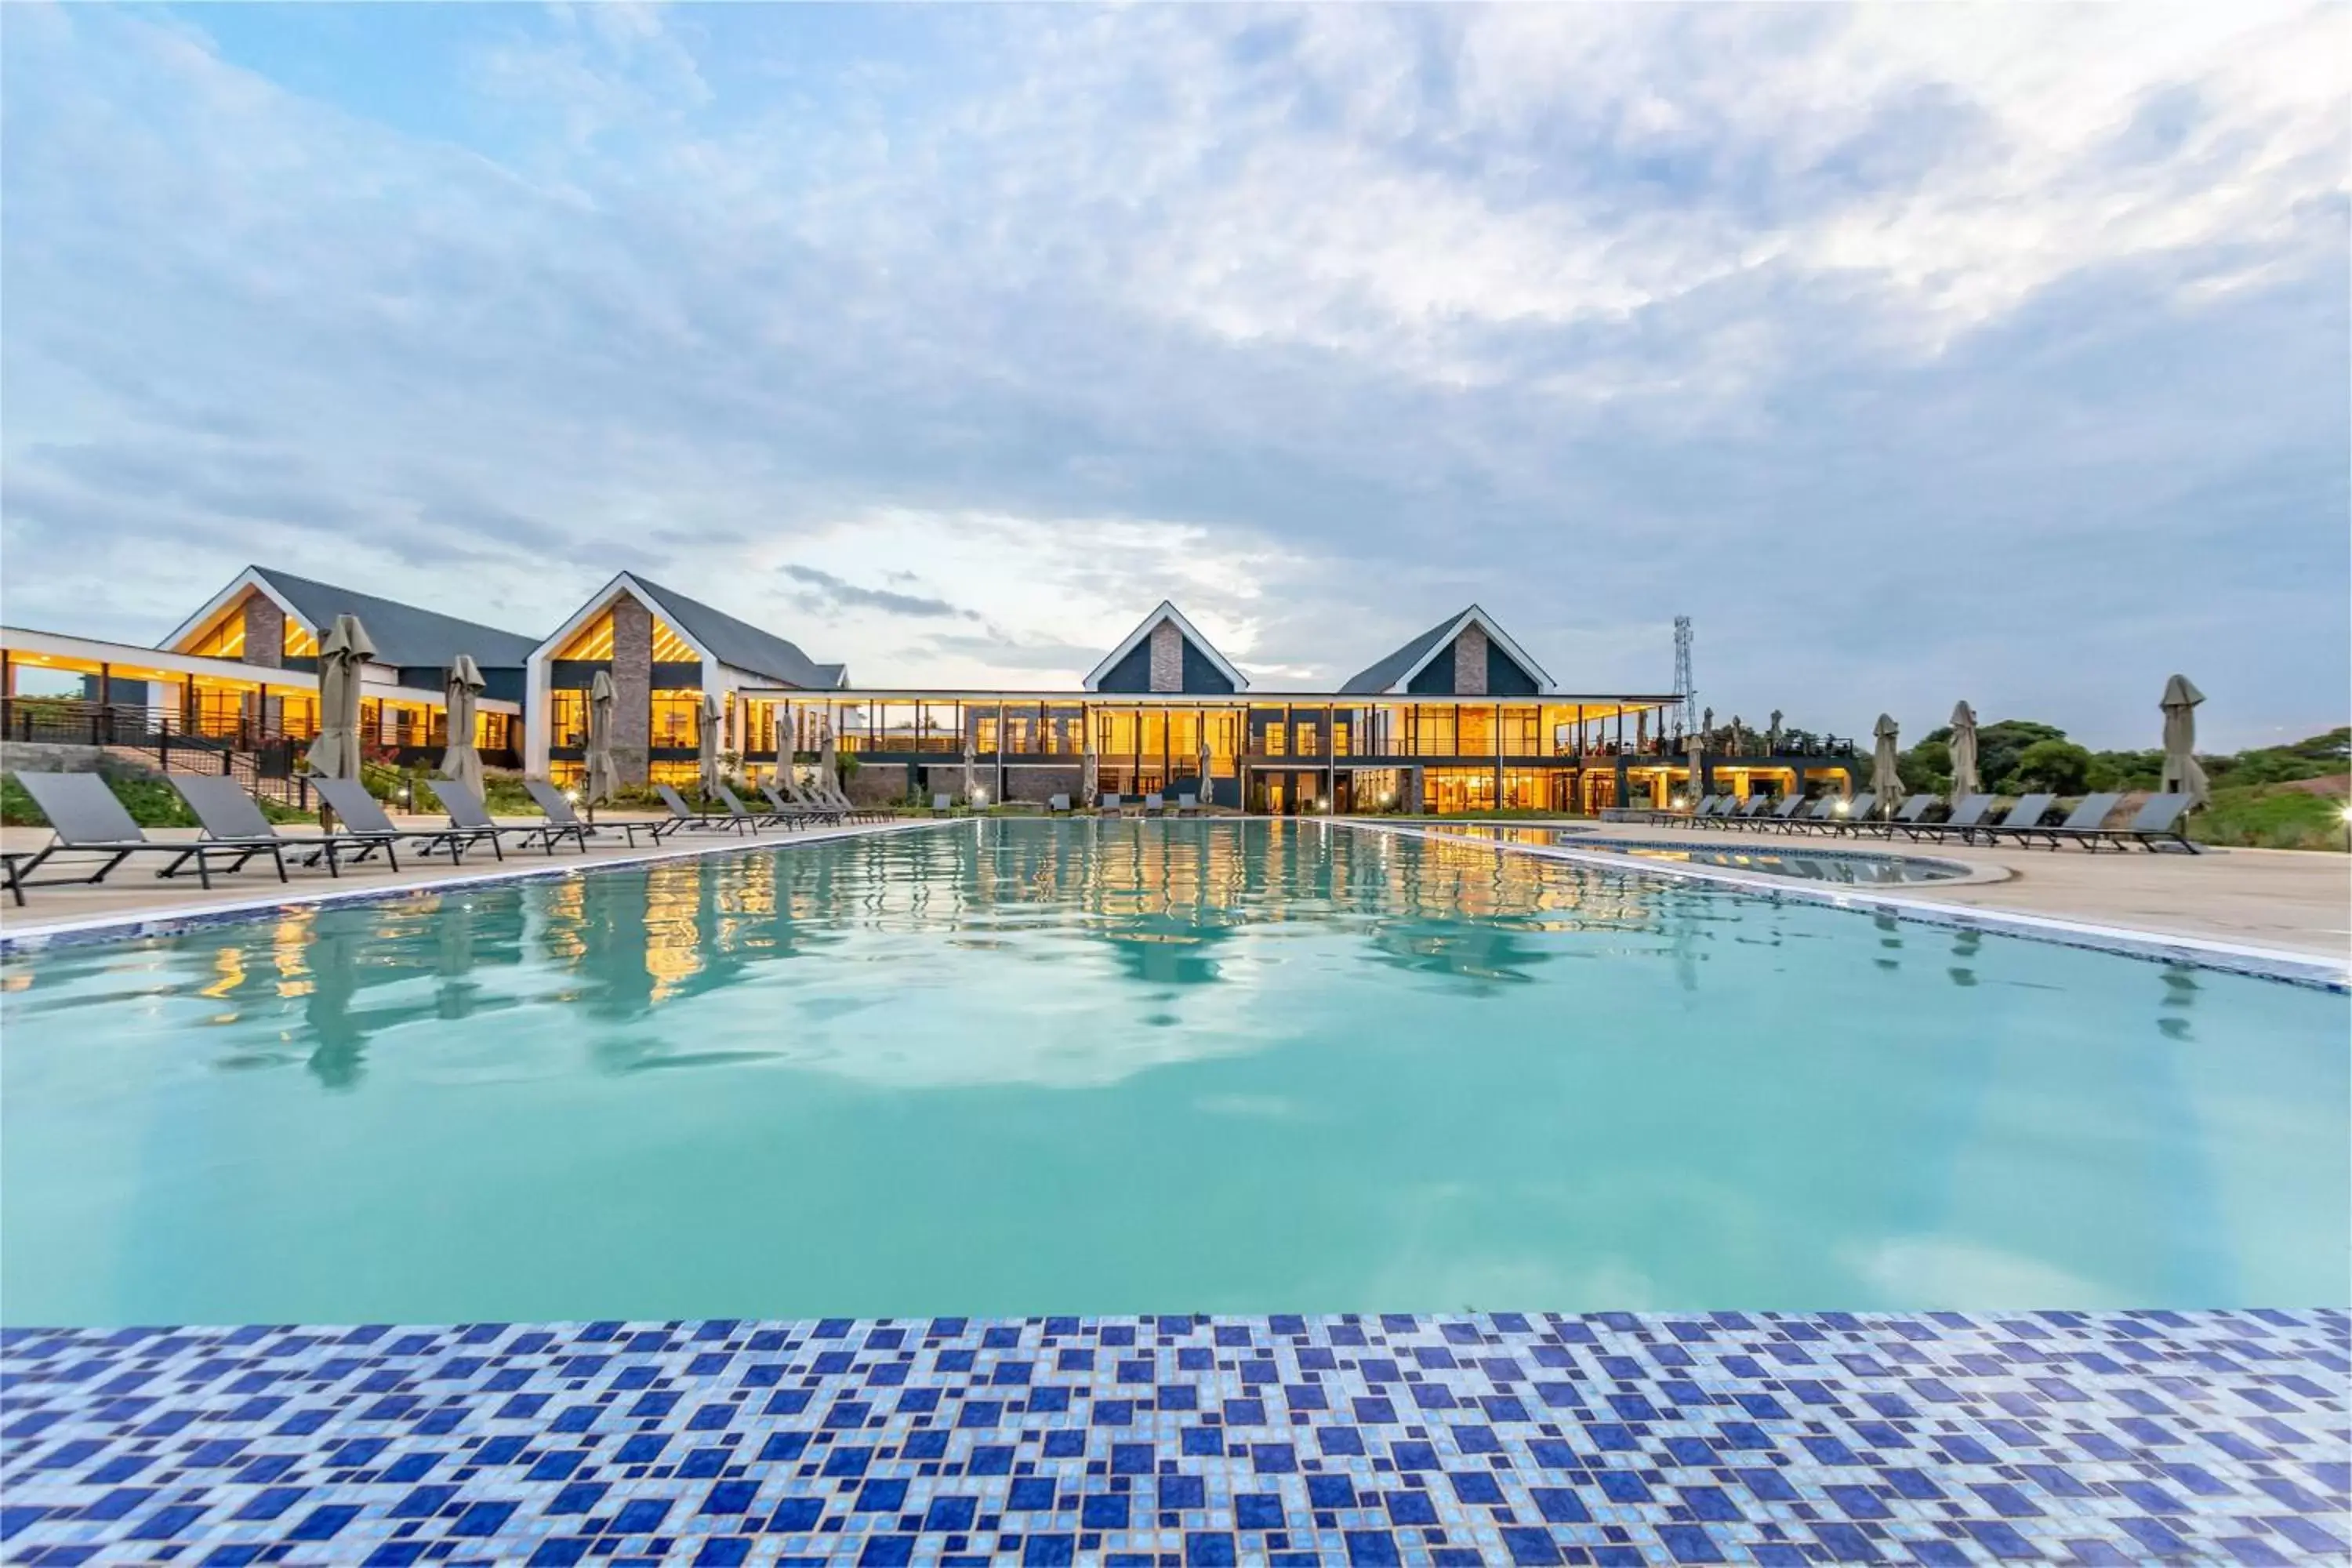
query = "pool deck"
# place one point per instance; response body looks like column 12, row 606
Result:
column 2297, row 901
column 135, row 893
column 1935, row 1437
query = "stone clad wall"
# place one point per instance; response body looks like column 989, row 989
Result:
column 1470, row 662
column 1167, row 658
column 633, row 689
column 265, row 631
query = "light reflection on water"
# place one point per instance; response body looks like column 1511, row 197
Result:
column 1012, row 1068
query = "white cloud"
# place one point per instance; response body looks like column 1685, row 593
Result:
column 1323, row 322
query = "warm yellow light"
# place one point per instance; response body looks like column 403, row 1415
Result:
column 1840, row 807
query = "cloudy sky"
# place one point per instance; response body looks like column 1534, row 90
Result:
column 1917, row 353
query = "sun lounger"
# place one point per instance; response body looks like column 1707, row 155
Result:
column 226, row 811
column 757, row 821
column 2025, row 819
column 831, row 799
column 1188, row 804
column 1058, row 803
column 686, row 816
column 796, row 810
column 1741, row 812
column 1858, row 817
column 1966, row 817
column 1706, row 807
column 86, row 819
column 2157, row 826
column 1154, row 806
column 2086, row 823
column 1820, row 817
column 1782, row 813
column 559, row 811
column 942, row 805
column 1912, row 812
column 363, row 817
column 465, row 810
column 1108, row 805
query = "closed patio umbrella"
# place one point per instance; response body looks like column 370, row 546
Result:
column 828, row 764
column 706, row 743
column 460, row 763
column 1886, row 766
column 784, row 738
column 971, row 768
column 2182, row 775
column 335, row 754
column 1965, row 782
column 1695, row 745
column 603, row 776
column 1089, row 769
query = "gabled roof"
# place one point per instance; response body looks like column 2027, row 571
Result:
column 1391, row 673
column 714, row 633
column 740, row 644
column 402, row 634
column 1167, row 611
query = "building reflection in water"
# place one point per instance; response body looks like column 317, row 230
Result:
column 1166, row 902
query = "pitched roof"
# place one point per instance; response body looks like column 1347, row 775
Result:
column 1389, row 673
column 404, row 634
column 739, row 643
column 1167, row 611
column 1386, row 672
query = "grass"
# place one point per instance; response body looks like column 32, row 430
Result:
column 2271, row 816
column 151, row 802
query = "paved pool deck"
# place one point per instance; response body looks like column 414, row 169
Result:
column 2294, row 900
column 135, row 893
column 1935, row 1437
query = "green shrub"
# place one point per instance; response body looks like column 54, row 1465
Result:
column 2271, row 816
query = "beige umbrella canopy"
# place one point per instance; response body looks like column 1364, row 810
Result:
column 460, row 763
column 828, row 764
column 1695, row 745
column 1965, row 782
column 1089, row 766
column 2182, row 775
column 335, row 754
column 706, row 735
column 971, row 768
column 1886, row 766
column 784, row 738
column 603, row 776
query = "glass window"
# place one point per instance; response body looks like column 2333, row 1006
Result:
column 1304, row 733
column 677, row 718
column 1521, row 731
column 1475, row 728
column 567, row 719
column 1277, row 741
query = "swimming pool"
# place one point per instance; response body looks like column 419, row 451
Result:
column 1009, row 1067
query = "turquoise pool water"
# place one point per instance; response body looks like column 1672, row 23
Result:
column 1754, row 852
column 1008, row 1067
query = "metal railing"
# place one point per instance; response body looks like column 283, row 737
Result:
column 261, row 761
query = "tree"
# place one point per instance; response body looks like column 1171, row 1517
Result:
column 2059, row 767
column 1999, row 746
column 1927, row 768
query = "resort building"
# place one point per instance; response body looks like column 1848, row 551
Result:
column 241, row 673
column 665, row 652
column 1460, row 718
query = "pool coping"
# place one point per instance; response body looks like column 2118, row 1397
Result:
column 130, row 926
column 2161, row 947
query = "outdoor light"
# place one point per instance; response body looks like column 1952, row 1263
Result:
column 1839, row 808
column 1680, row 802
column 571, row 797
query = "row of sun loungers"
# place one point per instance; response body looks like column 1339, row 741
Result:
column 1113, row 804
column 2157, row 826
column 87, row 822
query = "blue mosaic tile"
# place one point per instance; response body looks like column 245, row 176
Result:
column 2080, row 1437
